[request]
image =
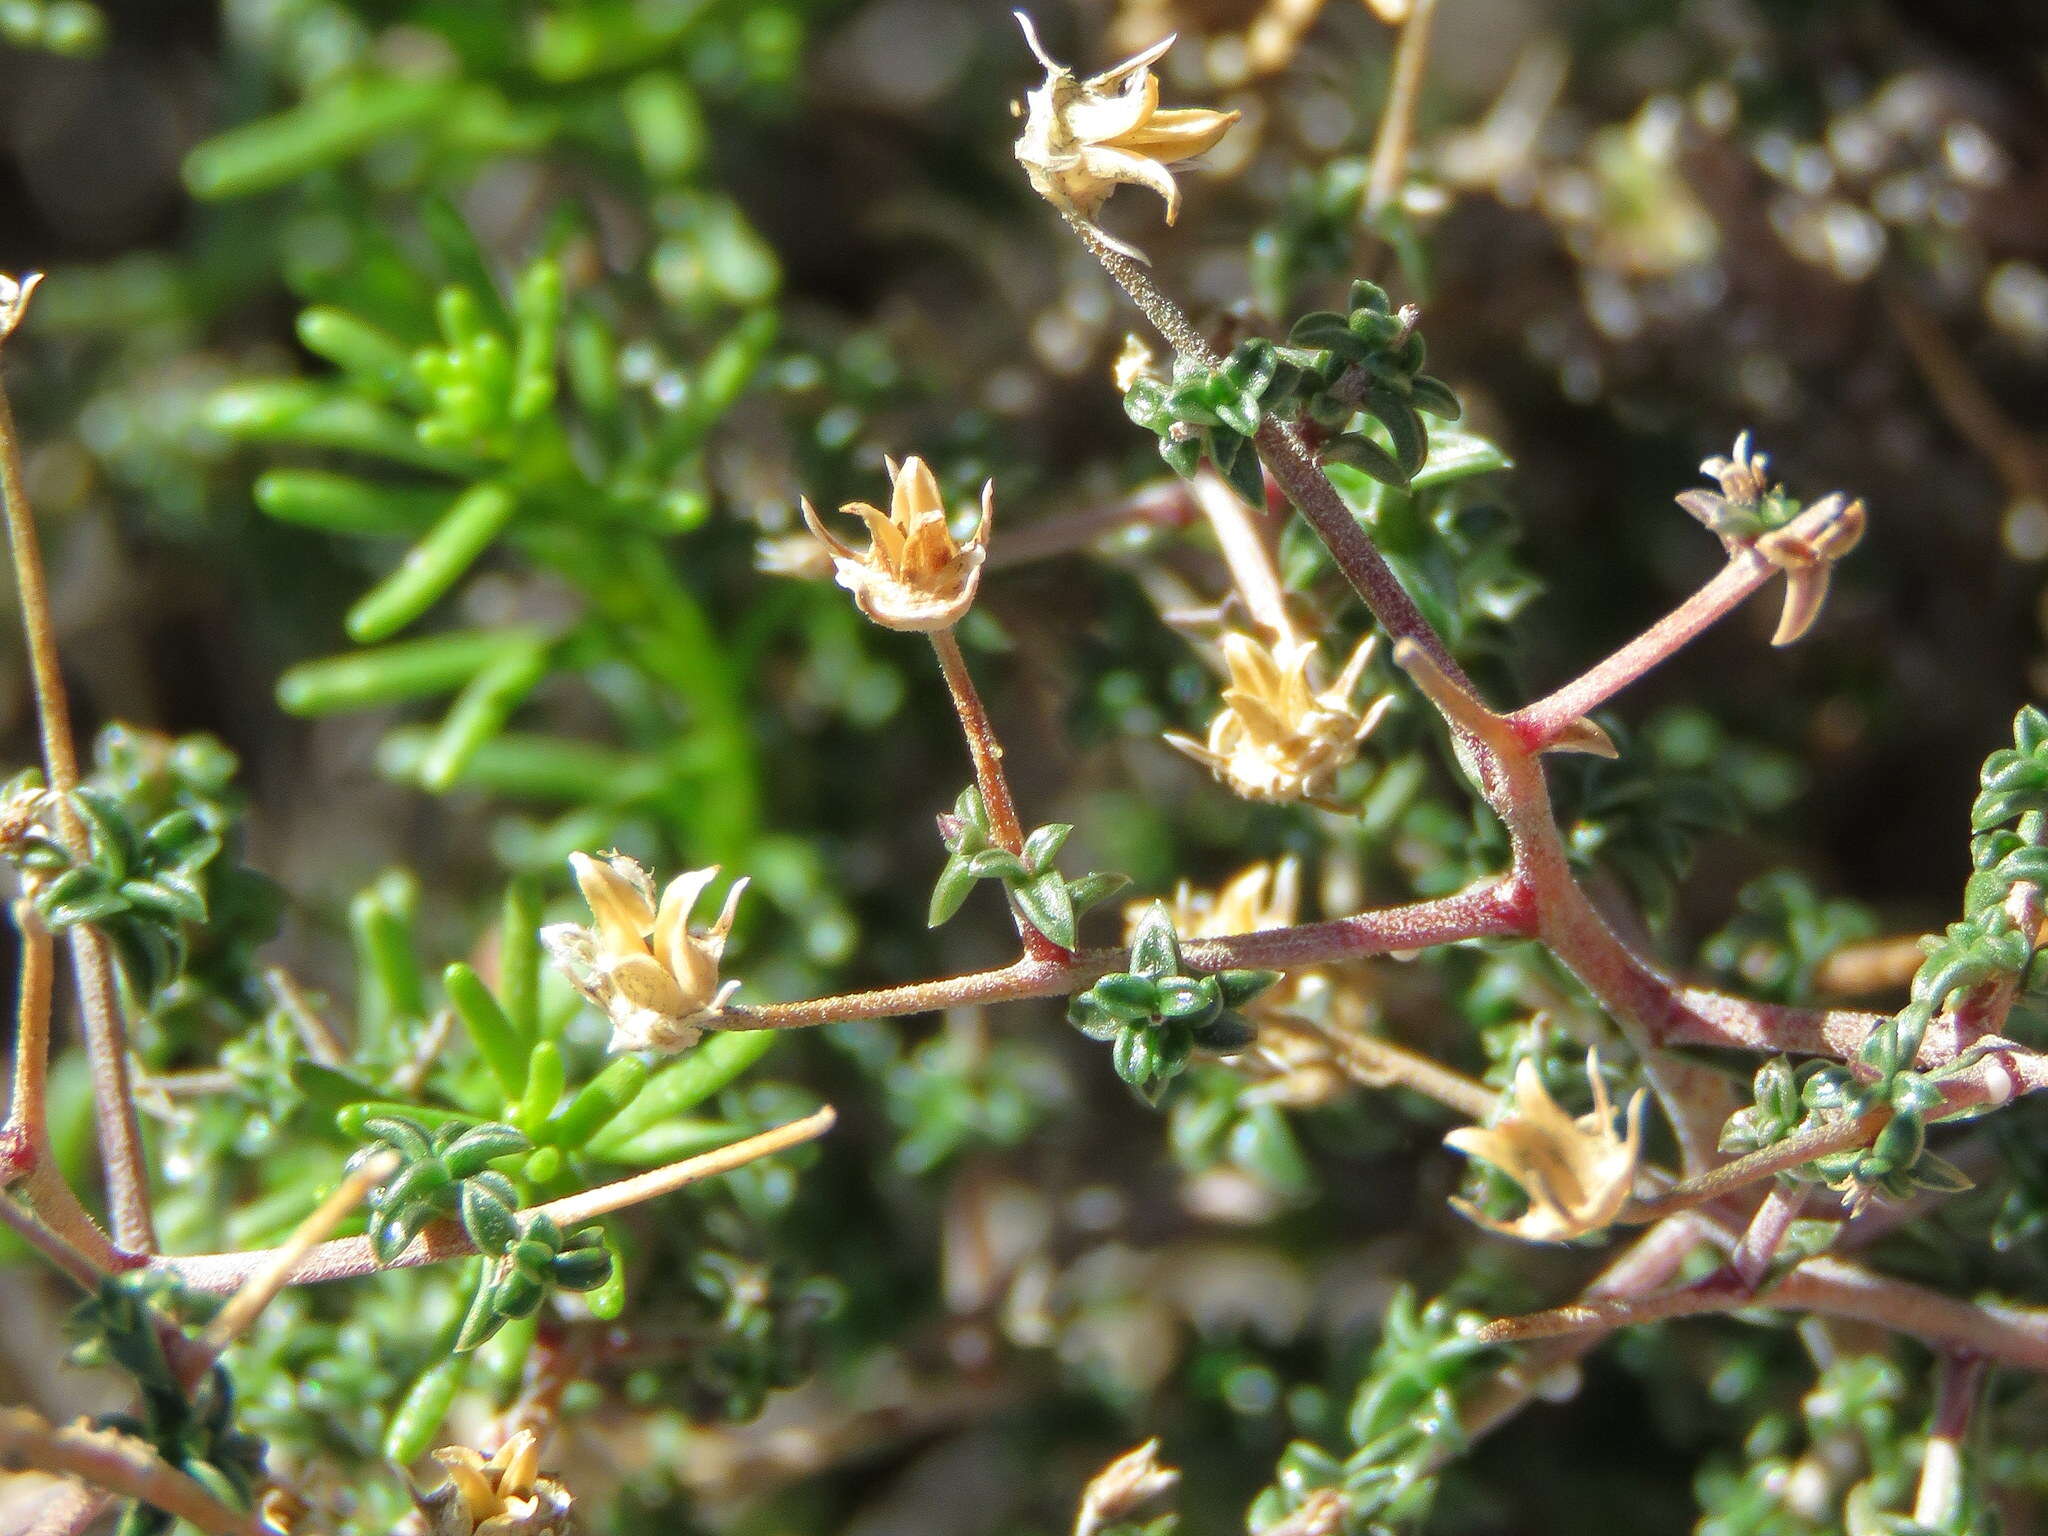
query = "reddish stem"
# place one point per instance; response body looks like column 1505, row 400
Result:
column 989, row 777
column 1487, row 910
column 1537, row 725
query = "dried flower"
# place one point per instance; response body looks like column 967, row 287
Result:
column 503, row 1496
column 1083, row 137
column 14, row 296
column 1123, row 1488
column 1259, row 896
column 1749, row 513
column 1293, row 1058
column 914, row 574
column 1134, row 361
column 1577, row 1173
column 638, row 961
column 1806, row 550
column 1281, row 737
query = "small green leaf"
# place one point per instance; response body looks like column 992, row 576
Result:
column 955, row 881
column 1094, row 887
column 997, row 863
column 1155, row 949
column 1044, row 844
column 487, row 1219
column 1362, row 453
column 1047, row 907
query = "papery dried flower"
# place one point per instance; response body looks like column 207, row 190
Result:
column 1806, row 550
column 1577, row 1173
column 1280, row 736
column 913, row 575
column 1293, row 1059
column 1262, row 895
column 1804, row 544
column 1082, row 138
column 503, row 1496
column 638, row 961
column 1134, row 361
column 1123, row 1488
column 14, row 296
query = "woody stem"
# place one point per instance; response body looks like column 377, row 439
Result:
column 989, row 777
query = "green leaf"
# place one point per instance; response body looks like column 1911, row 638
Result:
column 1093, row 887
column 1241, row 986
column 479, row 1145
column 1127, row 997
column 496, row 1041
column 1044, row 844
column 997, row 863
column 1404, row 428
column 1190, row 1000
column 955, row 881
column 1243, row 472
column 1433, row 395
column 1047, row 907
column 1155, row 948
column 487, row 1219
column 1362, row 453
column 433, row 565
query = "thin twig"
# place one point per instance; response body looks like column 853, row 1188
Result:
column 1397, row 119
column 1959, row 1381
column 1486, row 910
column 106, row 1038
column 27, row 1133
column 1779, row 1208
column 45, row 1241
column 348, row 1257
column 314, row 1032
column 262, row 1286
column 1541, row 723
column 989, row 777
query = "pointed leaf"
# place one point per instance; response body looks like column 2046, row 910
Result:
column 1046, row 906
column 1155, row 949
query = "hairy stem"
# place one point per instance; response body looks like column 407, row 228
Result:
column 989, row 777
column 1539, row 724
column 27, row 1133
column 106, row 1038
column 262, row 1286
column 1752, row 1257
column 1481, row 911
column 345, row 1258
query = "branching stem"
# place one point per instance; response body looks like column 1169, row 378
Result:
column 26, row 1138
column 345, row 1258
column 106, row 1038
